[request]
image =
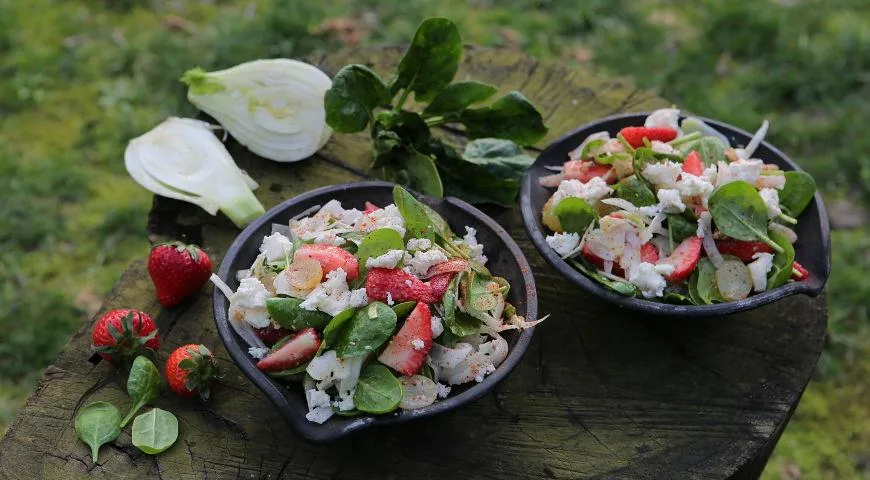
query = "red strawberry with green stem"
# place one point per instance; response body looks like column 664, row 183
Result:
column 124, row 333
column 178, row 271
column 407, row 351
column 635, row 135
column 190, row 370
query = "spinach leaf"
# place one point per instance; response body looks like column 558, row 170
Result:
column 798, row 192
column 404, row 308
column 420, row 220
column 288, row 313
column 369, row 328
column 780, row 273
column 680, row 227
column 619, row 286
column 512, row 117
column 739, row 212
column 143, row 385
column 422, row 174
column 334, row 328
column 635, row 191
column 498, row 154
column 710, row 150
column 352, row 98
column 457, row 97
column 431, row 61
column 706, row 283
column 377, row 391
column 98, row 424
column 155, row 431
column 378, row 243
column 692, row 285
column 575, row 215
column 409, row 126
column 474, row 179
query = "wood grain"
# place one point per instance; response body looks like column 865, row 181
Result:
column 601, row 393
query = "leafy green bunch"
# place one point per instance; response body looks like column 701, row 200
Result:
column 404, row 148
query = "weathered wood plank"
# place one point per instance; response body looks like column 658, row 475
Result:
column 600, row 393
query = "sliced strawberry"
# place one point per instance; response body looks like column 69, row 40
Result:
column 585, row 170
column 684, row 258
column 299, row 349
column 649, row 253
column 401, row 285
column 693, row 164
column 804, row 273
column 438, row 284
column 635, row 135
column 370, row 207
column 742, row 249
column 330, row 258
column 450, row 266
column 270, row 335
column 408, row 349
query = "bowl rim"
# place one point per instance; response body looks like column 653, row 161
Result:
column 813, row 287
column 337, row 426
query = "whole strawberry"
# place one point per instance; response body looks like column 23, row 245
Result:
column 178, row 271
column 190, row 370
column 124, row 333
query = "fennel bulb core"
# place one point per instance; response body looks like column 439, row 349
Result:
column 273, row 107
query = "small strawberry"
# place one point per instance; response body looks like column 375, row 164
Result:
column 370, row 207
column 399, row 284
column 270, row 335
column 684, row 258
column 123, row 334
column 438, row 284
column 408, row 349
column 635, row 135
column 693, row 164
column 301, row 347
column 584, row 171
column 804, row 273
column 330, row 258
column 450, row 266
column 649, row 253
column 742, row 249
column 191, row 369
column 178, row 271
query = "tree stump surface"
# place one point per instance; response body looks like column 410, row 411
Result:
column 601, row 392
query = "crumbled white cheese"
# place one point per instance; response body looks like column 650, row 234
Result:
column 689, row 186
column 662, row 147
column 329, row 237
column 276, row 246
column 771, row 201
column 421, row 261
column 670, row 201
column 592, row 191
column 759, row 269
column 710, row 174
column 649, row 278
column 770, row 181
column 470, row 239
column 563, row 243
column 358, row 298
column 387, row 217
column 443, row 390
column 387, row 260
column 258, row 352
column 344, row 403
column 250, row 301
column 663, row 174
column 418, row 344
column 332, row 207
column 319, row 406
column 437, row 326
column 331, row 296
column 664, row 117
column 390, row 301
column 419, row 244
column 746, row 170
column 483, row 372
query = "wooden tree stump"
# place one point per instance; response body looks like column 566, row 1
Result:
column 601, row 392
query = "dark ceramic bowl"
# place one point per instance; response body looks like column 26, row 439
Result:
column 813, row 249
column 505, row 260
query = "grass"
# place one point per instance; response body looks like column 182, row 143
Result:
column 79, row 78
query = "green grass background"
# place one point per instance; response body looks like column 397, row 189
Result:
column 79, row 78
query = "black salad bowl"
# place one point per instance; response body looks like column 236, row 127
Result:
column 505, row 260
column 812, row 250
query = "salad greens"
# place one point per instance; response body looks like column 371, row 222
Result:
column 739, row 212
column 98, row 424
column 288, row 313
column 369, row 328
column 575, row 215
column 797, row 193
column 155, row 431
column 378, row 391
column 405, row 150
column 143, row 385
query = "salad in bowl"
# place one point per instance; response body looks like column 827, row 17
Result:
column 373, row 309
column 671, row 211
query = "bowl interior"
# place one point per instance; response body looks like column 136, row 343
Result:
column 813, row 249
column 505, row 260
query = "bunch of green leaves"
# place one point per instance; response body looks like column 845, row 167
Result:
column 405, row 150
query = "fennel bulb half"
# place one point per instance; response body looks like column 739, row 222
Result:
column 181, row 158
column 274, row 107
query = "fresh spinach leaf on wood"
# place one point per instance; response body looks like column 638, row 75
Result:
column 98, row 424
column 457, row 97
column 431, row 61
column 143, row 385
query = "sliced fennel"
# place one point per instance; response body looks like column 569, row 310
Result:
column 274, row 107
column 181, row 158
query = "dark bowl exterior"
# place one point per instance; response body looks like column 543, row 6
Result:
column 813, row 249
column 505, row 259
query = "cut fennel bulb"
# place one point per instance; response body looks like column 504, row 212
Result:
column 274, row 107
column 181, row 158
